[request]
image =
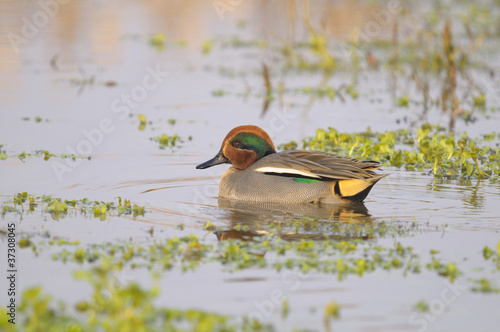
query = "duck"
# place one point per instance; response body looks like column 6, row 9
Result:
column 259, row 174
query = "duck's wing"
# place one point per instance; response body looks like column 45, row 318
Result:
column 318, row 165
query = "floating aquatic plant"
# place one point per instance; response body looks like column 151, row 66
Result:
column 429, row 148
column 167, row 141
column 59, row 208
column 115, row 305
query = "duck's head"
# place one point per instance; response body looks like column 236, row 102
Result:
column 243, row 146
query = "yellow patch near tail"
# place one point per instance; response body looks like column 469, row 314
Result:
column 352, row 187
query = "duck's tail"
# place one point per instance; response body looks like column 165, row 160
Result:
column 355, row 190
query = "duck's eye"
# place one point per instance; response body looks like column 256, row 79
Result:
column 236, row 144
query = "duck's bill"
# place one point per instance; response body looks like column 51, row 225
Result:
column 217, row 160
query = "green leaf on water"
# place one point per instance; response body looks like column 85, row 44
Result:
column 24, row 243
column 470, row 168
column 332, row 311
column 421, row 306
column 207, row 46
column 158, row 41
column 403, row 101
column 209, row 226
column 3, row 156
column 284, row 309
column 320, row 135
column 142, row 118
column 487, row 252
column 142, row 121
column 484, row 286
column 32, row 293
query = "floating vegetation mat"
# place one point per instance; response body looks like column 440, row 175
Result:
column 431, row 148
column 58, row 208
column 118, row 305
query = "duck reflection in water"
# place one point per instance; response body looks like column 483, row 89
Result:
column 259, row 216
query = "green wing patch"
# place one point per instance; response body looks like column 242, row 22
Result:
column 302, row 180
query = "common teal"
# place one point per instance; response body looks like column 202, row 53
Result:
column 260, row 174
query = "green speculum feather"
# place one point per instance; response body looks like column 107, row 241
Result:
column 303, row 180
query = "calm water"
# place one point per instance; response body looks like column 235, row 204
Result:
column 74, row 72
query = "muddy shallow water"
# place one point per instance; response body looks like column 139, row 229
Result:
column 73, row 74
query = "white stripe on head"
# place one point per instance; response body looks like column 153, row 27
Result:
column 286, row 171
